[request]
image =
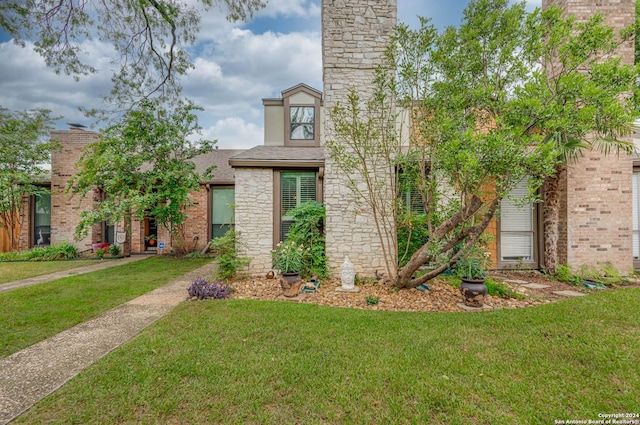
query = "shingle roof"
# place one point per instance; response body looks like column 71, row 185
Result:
column 223, row 173
column 278, row 156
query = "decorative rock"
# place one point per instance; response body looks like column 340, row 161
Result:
column 469, row 308
column 536, row 286
column 570, row 293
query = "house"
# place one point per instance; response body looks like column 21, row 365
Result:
column 600, row 217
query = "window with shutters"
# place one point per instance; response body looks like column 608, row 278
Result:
column 517, row 226
column 636, row 216
column 409, row 194
column 296, row 187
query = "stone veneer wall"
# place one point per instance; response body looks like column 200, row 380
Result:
column 254, row 216
column 597, row 203
column 65, row 209
column 354, row 36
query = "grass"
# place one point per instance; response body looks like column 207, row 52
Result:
column 254, row 362
column 10, row 271
column 29, row 315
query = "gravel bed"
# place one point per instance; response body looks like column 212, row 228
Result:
column 441, row 297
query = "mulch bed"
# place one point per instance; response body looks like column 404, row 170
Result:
column 441, row 297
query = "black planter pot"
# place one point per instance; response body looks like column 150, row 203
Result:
column 473, row 292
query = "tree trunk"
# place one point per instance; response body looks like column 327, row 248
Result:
column 469, row 236
column 551, row 220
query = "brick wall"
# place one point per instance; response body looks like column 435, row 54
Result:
column 196, row 227
column 25, row 238
column 597, row 206
column 65, row 209
column 354, row 36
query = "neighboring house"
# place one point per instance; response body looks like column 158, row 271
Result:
column 599, row 209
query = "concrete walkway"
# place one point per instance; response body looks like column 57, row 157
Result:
column 35, row 372
column 99, row 265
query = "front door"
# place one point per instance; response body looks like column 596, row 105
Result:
column 150, row 234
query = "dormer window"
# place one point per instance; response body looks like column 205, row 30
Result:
column 302, row 119
column 294, row 119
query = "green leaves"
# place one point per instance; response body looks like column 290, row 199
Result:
column 505, row 96
column 150, row 38
column 143, row 165
column 24, row 151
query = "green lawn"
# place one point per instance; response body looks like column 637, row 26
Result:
column 10, row 271
column 31, row 314
column 250, row 362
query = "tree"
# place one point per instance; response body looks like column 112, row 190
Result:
column 23, row 154
column 589, row 102
column 149, row 36
column 142, row 165
column 489, row 102
column 363, row 145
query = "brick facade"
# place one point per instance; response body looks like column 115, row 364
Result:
column 354, row 36
column 596, row 207
column 66, row 208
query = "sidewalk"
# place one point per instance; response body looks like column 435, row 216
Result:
column 35, row 372
column 104, row 264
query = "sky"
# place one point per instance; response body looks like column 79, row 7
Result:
column 236, row 66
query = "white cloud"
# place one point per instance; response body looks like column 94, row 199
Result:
column 232, row 76
column 26, row 82
column 234, row 133
column 291, row 8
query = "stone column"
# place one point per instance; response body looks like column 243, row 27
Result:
column 355, row 34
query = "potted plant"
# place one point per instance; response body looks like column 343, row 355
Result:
column 471, row 269
column 289, row 258
column 151, row 240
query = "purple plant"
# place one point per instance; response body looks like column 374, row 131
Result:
column 202, row 289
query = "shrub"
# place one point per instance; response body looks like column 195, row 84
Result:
column 499, row 289
column 202, row 289
column 289, row 257
column 563, row 274
column 227, row 260
column 61, row 251
column 307, row 231
column 100, row 253
column 372, row 300
column 412, row 235
column 113, row 250
column 196, row 254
